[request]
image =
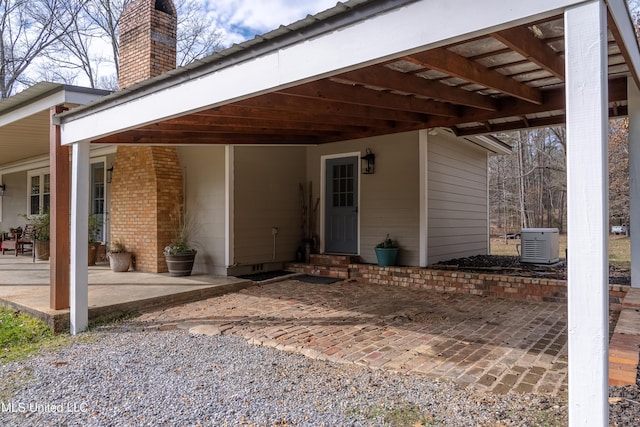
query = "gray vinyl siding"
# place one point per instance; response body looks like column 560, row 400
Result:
column 204, row 183
column 457, row 200
column 389, row 198
column 266, row 195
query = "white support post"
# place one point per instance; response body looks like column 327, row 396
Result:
column 229, row 202
column 587, row 191
column 423, row 142
column 79, row 295
column 634, row 178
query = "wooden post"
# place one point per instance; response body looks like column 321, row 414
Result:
column 79, row 312
column 587, row 212
column 59, row 215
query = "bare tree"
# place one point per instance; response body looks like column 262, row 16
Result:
column 197, row 32
column 91, row 46
column 619, row 206
column 27, row 29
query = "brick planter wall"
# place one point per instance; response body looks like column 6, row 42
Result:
column 521, row 288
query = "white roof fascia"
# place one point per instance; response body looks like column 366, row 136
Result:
column 620, row 14
column 32, row 108
column 490, row 143
column 339, row 49
column 42, row 102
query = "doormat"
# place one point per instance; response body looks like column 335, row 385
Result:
column 266, row 275
column 317, row 280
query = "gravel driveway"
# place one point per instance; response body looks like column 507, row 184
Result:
column 135, row 373
column 128, row 376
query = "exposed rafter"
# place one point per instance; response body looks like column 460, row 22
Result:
column 482, row 87
column 523, row 41
column 453, row 64
column 383, row 77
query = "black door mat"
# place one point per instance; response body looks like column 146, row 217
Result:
column 316, row 280
column 266, row 275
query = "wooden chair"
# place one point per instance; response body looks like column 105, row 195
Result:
column 21, row 243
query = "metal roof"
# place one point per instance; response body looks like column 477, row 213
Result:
column 511, row 78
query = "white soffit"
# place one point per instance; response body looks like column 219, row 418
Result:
column 360, row 44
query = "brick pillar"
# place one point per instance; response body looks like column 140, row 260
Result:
column 146, row 189
column 147, row 180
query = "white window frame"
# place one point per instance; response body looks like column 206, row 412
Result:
column 105, row 221
column 40, row 173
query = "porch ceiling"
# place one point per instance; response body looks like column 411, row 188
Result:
column 25, row 118
column 506, row 80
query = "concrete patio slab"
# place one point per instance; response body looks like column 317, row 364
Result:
column 24, row 286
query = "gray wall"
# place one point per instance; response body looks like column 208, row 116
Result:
column 457, row 199
column 266, row 196
column 389, row 198
column 204, row 170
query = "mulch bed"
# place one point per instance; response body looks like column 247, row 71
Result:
column 511, row 265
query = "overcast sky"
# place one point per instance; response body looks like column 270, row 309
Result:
column 240, row 20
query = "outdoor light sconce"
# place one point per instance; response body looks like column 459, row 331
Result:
column 110, row 174
column 2, row 188
column 369, row 163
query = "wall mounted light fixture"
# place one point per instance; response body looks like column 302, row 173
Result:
column 2, row 189
column 369, row 162
column 110, row 174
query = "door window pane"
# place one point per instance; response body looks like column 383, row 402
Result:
column 343, row 185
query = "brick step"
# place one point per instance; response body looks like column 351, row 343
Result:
column 336, row 271
column 329, row 259
column 632, row 298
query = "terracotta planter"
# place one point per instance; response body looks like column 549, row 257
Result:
column 42, row 250
column 120, row 262
column 181, row 264
column 93, row 254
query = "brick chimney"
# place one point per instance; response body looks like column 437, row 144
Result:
column 147, row 40
column 147, row 180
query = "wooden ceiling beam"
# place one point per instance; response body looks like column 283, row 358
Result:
column 509, row 126
column 523, row 41
column 553, row 99
column 240, row 129
column 212, row 123
column 299, row 117
column 386, row 78
column 456, row 65
column 280, row 102
column 134, row 137
column 354, row 94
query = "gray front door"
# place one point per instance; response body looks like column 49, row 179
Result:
column 341, row 205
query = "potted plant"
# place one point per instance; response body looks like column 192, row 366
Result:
column 15, row 232
column 119, row 257
column 387, row 252
column 41, row 235
column 179, row 254
column 94, row 228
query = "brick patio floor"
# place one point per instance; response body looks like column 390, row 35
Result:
column 482, row 343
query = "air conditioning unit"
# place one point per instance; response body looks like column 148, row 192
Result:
column 539, row 245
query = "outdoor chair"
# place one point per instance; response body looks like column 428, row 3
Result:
column 20, row 243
